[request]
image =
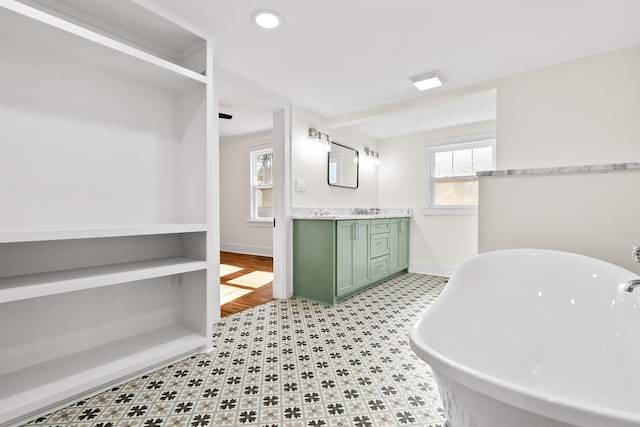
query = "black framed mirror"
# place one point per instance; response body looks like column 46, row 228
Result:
column 343, row 166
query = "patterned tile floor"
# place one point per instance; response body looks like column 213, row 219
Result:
column 289, row 363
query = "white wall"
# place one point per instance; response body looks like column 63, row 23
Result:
column 236, row 234
column 438, row 243
column 594, row 214
column 47, row 127
column 309, row 163
column 577, row 113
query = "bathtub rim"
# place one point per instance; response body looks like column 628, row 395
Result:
column 568, row 410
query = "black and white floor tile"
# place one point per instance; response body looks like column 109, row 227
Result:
column 289, row 363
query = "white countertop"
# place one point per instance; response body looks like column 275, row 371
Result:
column 331, row 214
column 352, row 216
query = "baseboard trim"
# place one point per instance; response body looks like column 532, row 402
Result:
column 246, row 249
column 433, row 269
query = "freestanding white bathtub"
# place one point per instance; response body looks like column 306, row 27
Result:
column 535, row 338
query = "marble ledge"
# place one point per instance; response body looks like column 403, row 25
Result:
column 348, row 213
column 562, row 170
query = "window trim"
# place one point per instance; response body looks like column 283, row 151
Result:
column 452, row 144
column 255, row 221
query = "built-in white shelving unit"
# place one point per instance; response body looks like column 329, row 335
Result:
column 104, row 206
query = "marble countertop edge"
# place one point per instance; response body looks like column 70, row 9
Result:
column 349, row 213
column 558, row 170
column 354, row 216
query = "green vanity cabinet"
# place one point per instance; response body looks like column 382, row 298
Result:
column 333, row 259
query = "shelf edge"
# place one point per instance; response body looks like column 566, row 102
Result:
column 69, row 233
column 54, row 287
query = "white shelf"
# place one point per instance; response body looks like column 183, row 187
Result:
column 35, row 234
column 40, row 386
column 59, row 38
column 26, row 286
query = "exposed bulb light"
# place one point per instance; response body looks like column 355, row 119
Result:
column 326, row 143
column 429, row 80
column 372, row 156
column 320, row 138
column 267, row 19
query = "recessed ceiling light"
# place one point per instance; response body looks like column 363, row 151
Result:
column 267, row 19
column 429, row 80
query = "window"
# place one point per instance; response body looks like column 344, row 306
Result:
column 452, row 186
column 262, row 185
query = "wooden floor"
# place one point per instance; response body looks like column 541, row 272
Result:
column 245, row 280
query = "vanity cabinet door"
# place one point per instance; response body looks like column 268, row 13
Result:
column 403, row 244
column 399, row 244
column 314, row 256
column 345, row 231
column 352, row 256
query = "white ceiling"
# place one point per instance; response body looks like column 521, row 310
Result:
column 247, row 119
column 339, row 56
column 251, row 114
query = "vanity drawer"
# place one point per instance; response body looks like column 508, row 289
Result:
column 379, row 226
column 379, row 268
column 380, row 244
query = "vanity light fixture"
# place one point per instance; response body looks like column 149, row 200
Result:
column 372, row 156
column 267, row 19
column 429, row 80
column 318, row 137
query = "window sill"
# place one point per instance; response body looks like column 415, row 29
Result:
column 260, row 223
column 473, row 211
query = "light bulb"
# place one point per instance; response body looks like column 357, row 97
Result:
column 267, row 19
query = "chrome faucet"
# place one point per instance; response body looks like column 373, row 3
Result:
column 633, row 283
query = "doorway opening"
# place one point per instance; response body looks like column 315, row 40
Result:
column 252, row 261
column 246, row 209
